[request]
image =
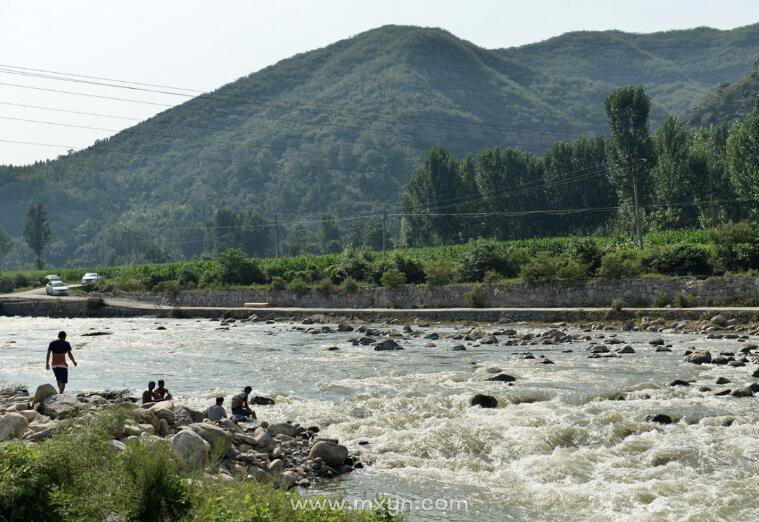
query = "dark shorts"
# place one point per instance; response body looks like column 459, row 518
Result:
column 61, row 374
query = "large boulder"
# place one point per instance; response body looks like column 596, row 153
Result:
column 163, row 410
column 333, row 455
column 283, row 428
column 387, row 345
column 59, row 406
column 43, row 391
column 700, row 357
column 213, row 435
column 718, row 320
column 262, row 439
column 484, row 401
column 191, row 450
column 12, row 426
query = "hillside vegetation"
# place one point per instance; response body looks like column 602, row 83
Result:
column 340, row 129
column 728, row 102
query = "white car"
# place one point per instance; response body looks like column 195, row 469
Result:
column 52, row 278
column 90, row 278
column 56, row 288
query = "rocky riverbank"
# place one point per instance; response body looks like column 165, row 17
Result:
column 287, row 454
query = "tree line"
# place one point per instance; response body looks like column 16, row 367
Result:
column 684, row 177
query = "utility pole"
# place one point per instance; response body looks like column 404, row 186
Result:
column 634, row 176
column 276, row 231
column 384, row 227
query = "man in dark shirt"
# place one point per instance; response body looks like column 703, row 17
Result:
column 60, row 348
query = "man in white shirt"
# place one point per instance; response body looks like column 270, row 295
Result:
column 216, row 412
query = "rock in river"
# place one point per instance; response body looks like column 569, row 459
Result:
column 484, row 401
column 59, row 406
column 387, row 345
column 660, row 418
column 334, row 455
column 700, row 357
column 502, row 377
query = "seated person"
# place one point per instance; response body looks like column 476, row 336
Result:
column 161, row 393
column 240, row 409
column 216, row 412
column 149, row 395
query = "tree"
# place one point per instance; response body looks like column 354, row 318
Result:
column 714, row 194
column 6, row 245
column 37, row 233
column 743, row 158
column 629, row 149
column 329, row 235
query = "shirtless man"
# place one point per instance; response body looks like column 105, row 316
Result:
column 240, row 409
column 149, row 395
column 161, row 393
column 60, row 348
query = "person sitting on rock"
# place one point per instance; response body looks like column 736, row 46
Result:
column 149, row 394
column 240, row 409
column 161, row 393
column 216, row 412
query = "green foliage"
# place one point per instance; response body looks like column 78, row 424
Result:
column 544, row 269
column 238, row 269
column 743, row 158
column 6, row 245
column 324, row 287
column 277, row 284
column 683, row 300
column 476, row 297
column 588, row 253
column 618, row 265
column 298, row 287
column 349, row 285
column 660, row 300
column 6, row 284
column 617, row 305
column 737, row 246
column 440, row 273
column 392, row 278
column 678, row 260
column 37, row 232
column 727, row 102
column 350, row 263
column 482, row 256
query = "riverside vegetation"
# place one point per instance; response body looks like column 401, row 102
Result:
column 733, row 248
column 99, row 456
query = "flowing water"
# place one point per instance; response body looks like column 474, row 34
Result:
column 556, row 449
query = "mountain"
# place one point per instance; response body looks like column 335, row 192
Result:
column 728, row 101
column 340, row 128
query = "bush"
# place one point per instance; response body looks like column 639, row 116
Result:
column 491, row 277
column 481, row 256
column 660, row 300
column 6, row 284
column 277, row 284
column 683, row 300
column 298, row 287
column 392, row 278
column 188, row 278
column 211, row 278
column 546, row 268
column 412, row 271
column 324, row 287
column 238, row 269
column 678, row 260
column 587, row 252
column 21, row 280
column 476, row 297
column 736, row 246
column 439, row 273
column 350, row 263
column 617, row 305
column 349, row 285
column 617, row 265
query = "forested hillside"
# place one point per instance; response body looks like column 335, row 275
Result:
column 729, row 101
column 339, row 130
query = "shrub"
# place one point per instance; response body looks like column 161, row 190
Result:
column 660, row 300
column 349, row 285
column 476, row 297
column 736, row 246
column 481, row 256
column 491, row 277
column 683, row 300
column 277, row 284
column 546, row 268
column 238, row 269
column 350, row 263
column 678, row 260
column 587, row 252
column 439, row 273
column 324, row 287
column 617, row 265
column 211, row 278
column 6, row 284
column 617, row 305
column 187, row 277
column 21, row 280
column 392, row 278
column 298, row 287
column 412, row 270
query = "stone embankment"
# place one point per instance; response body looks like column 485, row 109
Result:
column 287, row 454
column 712, row 291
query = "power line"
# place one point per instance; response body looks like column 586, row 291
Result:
column 35, row 143
column 40, row 107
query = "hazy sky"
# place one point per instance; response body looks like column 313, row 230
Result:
column 204, row 44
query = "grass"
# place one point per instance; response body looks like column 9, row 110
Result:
column 76, row 475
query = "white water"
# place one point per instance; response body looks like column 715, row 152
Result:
column 556, row 449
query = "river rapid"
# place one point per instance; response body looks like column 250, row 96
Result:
column 557, row 448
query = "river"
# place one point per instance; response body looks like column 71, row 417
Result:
column 557, row 448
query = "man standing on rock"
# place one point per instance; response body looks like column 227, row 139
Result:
column 60, row 348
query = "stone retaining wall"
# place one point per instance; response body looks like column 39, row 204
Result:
column 713, row 291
